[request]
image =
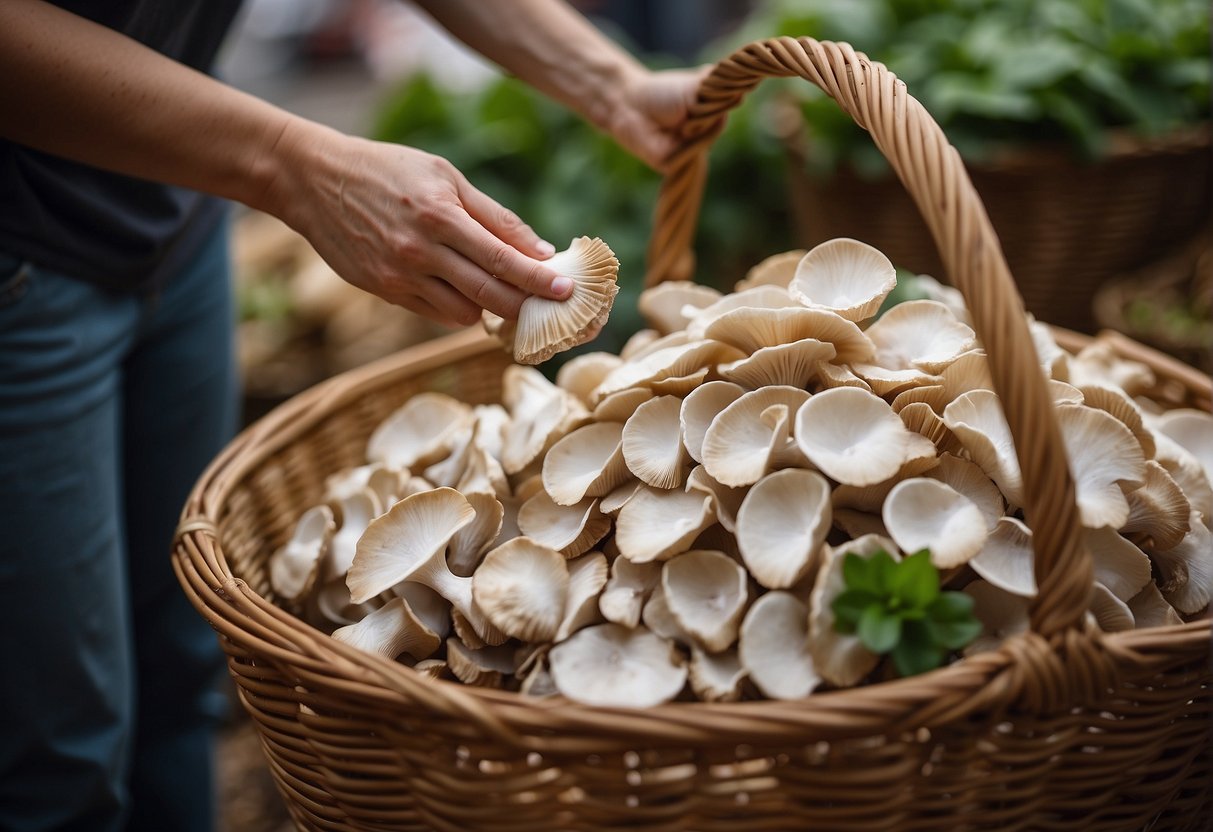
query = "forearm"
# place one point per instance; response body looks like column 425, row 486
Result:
column 76, row 89
column 547, row 44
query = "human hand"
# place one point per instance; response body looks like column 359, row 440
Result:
column 405, row 225
column 650, row 109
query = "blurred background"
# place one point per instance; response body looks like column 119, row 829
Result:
column 1084, row 125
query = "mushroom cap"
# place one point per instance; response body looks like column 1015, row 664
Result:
column 1098, row 364
column 977, row 420
column 1185, row 469
column 613, row 666
column 840, row 658
column 838, row 375
column 919, row 334
column 774, row 646
column 627, row 590
column 726, row 499
column 541, row 413
column 1104, row 459
column 920, row 418
column 1110, row 613
column 522, row 587
column 1186, row 570
column 1002, row 615
column 620, row 405
column 588, row 462
column 1158, row 510
column 546, row 327
column 656, row 524
column 749, row 436
column 855, row 438
column 582, row 373
column 967, row 478
column 1006, row 558
column 477, row 537
column 295, row 567
column 794, row 364
column 674, row 362
column 776, row 270
column 706, row 591
column 419, row 432
column 401, row 543
column 571, row 530
column 652, row 443
column 357, row 512
column 1119, row 565
column 618, row 498
column 700, row 408
column 389, row 631
column 662, row 305
column 782, row 524
column 587, row 577
column 716, row 677
column 480, row 667
column 758, row 297
column 844, row 276
column 1150, row 609
column 1193, row 430
column 922, row 513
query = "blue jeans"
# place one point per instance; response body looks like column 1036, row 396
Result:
column 110, row 407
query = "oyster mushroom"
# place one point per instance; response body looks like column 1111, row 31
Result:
column 571, row 530
column 1185, row 469
column 727, row 500
column 919, row 334
column 348, row 481
column 546, row 327
column 652, row 443
column 716, row 677
column 855, row 438
column 968, row 479
column 782, row 524
column 480, row 667
column 613, row 502
column 477, row 537
column 977, row 420
column 1002, row 615
column 582, row 373
column 759, row 297
column 656, row 525
column 920, row 418
column 1187, row 569
column 776, row 270
column 609, row 665
column 1119, row 566
column 1114, row 402
column 673, row 362
column 659, row 619
column 751, row 435
column 620, row 405
column 420, row 432
column 922, row 513
column 357, row 512
column 540, row 414
column 794, row 364
column 1097, row 364
column 295, row 567
column 1006, row 558
column 522, row 587
column 836, row 375
column 752, row 329
column 1105, row 460
column 662, row 305
column 700, row 408
column 1111, row 614
column 774, row 647
column 844, row 276
column 1158, row 510
column 587, row 577
column 627, row 590
column 706, row 591
column 1193, row 431
column 840, row 658
column 587, row 462
column 389, row 631
column 1150, row 609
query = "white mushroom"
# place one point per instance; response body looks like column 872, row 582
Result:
column 977, row 420
column 357, row 512
column 609, row 665
column 716, row 677
column 1193, row 430
column 1150, row 609
column 1185, row 469
column 295, row 566
column 840, row 658
column 540, row 414
column 837, row 375
column 582, row 373
column 659, row 619
column 854, row 437
column 662, row 305
column 477, row 537
column 588, row 462
column 920, row 418
column 618, row 406
column 758, row 297
column 922, row 513
column 627, row 590
column 1097, row 364
column 706, row 591
column 389, row 631
column 1158, row 510
column 968, row 479
column 656, row 525
column 1002, row 615
column 919, row 334
column 776, row 270
column 794, row 364
column 1006, row 558
column 480, row 667
column 782, row 524
column 700, row 408
column 652, row 443
column 613, row 502
column 752, row 329
column 751, row 435
column 1187, row 569
column 844, row 276
column 587, row 576
column 1113, row 401
column 1105, row 460
column 522, row 587
column 571, row 530
column 546, row 327
column 1110, row 613
column 774, row 647
column 1119, row 566
column 727, row 500
column 420, row 432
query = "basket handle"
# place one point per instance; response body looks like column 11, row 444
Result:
column 932, row 172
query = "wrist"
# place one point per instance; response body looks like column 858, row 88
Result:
column 291, row 156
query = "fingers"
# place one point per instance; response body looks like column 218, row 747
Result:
column 502, row 222
column 478, row 286
column 433, row 298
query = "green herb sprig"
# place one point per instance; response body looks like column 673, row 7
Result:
column 897, row 608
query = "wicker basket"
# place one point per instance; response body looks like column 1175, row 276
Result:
column 1062, row 728
column 1065, row 226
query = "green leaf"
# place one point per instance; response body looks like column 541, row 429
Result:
column 915, row 654
column 849, row 607
column 951, row 606
column 857, row 573
column 916, row 582
column 879, row 630
column 953, row 634
column 881, row 569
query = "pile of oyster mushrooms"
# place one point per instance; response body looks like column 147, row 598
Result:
column 670, row 522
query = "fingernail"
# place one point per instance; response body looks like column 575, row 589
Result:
column 561, row 285
column 545, row 248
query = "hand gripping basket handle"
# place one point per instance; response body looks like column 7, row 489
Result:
column 933, row 174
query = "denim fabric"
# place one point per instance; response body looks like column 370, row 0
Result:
column 110, row 407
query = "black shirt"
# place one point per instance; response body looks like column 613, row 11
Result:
column 116, row 231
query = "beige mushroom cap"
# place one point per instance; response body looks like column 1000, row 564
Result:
column 546, row 327
column 774, row 647
column 794, row 364
column 1193, row 430
column 855, row 438
column 477, row 537
column 357, row 512
column 1150, row 609
column 480, row 667
column 1110, row 613
column 665, row 364
column 652, row 443
column 420, row 432
column 612, row 666
column 844, row 276
column 587, row 577
column 782, row 525
column 726, row 499
column 706, row 591
column 751, row 435
column 522, row 587
column 1119, row 565
column 967, row 478
column 977, row 420
column 295, row 567
column 582, row 373
column 716, row 677
column 919, row 334
column 662, row 305
column 1187, row 569
column 627, row 590
column 541, row 413
column 758, row 297
column 700, row 408
column 776, row 270
column 571, row 530
column 1105, row 460
column 1158, row 510
column 922, row 513
column 588, row 462
column 656, row 525
column 389, row 631
column 1002, row 615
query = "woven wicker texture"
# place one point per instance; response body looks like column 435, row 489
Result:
column 1063, row 728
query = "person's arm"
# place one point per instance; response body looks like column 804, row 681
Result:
column 393, row 220
column 550, row 46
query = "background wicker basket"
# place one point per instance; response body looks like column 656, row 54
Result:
column 1062, row 728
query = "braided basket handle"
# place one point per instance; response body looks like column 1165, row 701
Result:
column 932, row 172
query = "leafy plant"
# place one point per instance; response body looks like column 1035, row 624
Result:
column 998, row 73
column 897, row 608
